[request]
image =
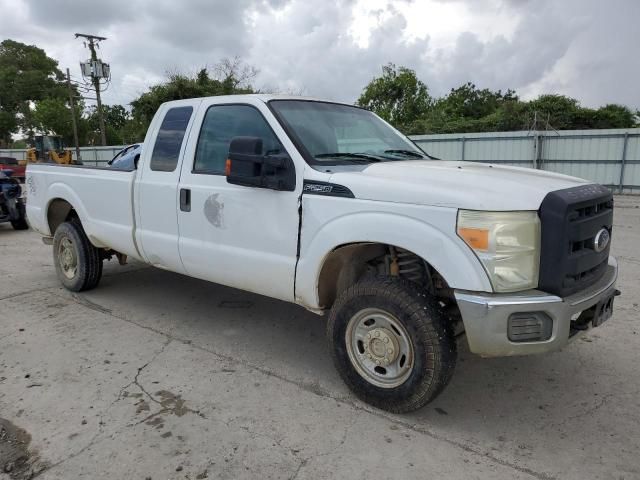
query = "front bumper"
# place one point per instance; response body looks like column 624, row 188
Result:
column 486, row 316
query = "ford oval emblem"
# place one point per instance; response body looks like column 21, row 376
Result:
column 601, row 240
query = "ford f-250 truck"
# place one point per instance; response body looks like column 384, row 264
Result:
column 326, row 205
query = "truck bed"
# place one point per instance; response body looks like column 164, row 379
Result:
column 102, row 197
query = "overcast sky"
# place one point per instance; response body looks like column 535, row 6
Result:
column 587, row 49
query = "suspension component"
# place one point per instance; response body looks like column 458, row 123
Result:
column 410, row 266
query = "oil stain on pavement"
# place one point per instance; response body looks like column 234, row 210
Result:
column 16, row 459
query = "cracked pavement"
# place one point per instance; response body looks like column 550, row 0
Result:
column 156, row 375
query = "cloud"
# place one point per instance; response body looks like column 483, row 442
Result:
column 57, row 14
column 332, row 48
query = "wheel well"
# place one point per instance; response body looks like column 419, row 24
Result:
column 59, row 211
column 346, row 264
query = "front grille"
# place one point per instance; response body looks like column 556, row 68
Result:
column 570, row 220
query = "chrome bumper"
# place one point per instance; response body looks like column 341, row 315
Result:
column 485, row 315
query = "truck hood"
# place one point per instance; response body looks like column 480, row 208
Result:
column 476, row 186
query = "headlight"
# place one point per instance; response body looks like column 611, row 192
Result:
column 507, row 244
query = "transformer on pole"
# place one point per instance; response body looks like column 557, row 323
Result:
column 98, row 73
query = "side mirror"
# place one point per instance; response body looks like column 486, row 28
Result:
column 248, row 167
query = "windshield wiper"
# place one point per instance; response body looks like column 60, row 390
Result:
column 352, row 156
column 409, row 153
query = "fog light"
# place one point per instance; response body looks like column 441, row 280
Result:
column 529, row 327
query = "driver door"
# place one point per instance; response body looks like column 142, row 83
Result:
column 243, row 237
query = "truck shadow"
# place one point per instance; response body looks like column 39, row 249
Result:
column 5, row 228
column 539, row 397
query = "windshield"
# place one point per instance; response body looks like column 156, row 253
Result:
column 332, row 133
column 52, row 143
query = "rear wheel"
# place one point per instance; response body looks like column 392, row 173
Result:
column 78, row 263
column 391, row 344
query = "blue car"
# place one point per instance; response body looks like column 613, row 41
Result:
column 127, row 158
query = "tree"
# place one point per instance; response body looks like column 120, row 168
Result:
column 564, row 113
column 117, row 122
column 53, row 116
column 468, row 101
column 553, row 111
column 401, row 98
column 231, row 76
column 468, row 108
column 27, row 75
column 614, row 116
column 8, row 124
column 233, row 73
column 397, row 96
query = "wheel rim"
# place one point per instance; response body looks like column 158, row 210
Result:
column 379, row 348
column 67, row 258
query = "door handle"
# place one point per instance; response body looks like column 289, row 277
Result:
column 185, row 199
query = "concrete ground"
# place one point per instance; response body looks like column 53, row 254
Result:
column 155, row 375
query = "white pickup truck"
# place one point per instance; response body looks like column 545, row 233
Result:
column 326, row 205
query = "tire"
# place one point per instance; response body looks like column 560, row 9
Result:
column 20, row 224
column 384, row 308
column 78, row 263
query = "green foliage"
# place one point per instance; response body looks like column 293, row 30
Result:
column 53, row 116
column 117, row 121
column 557, row 111
column 468, row 101
column 467, row 109
column 397, row 96
column 614, row 116
column 34, row 97
column 231, row 76
column 27, row 75
column 8, row 124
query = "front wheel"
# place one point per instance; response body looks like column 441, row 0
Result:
column 78, row 263
column 391, row 344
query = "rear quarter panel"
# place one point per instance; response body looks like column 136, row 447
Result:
column 102, row 198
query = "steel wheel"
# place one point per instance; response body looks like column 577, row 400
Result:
column 78, row 263
column 379, row 348
column 416, row 361
column 68, row 258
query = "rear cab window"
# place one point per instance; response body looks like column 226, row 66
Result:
column 166, row 151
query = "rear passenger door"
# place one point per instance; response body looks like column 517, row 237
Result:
column 156, row 193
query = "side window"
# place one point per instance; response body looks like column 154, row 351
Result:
column 222, row 123
column 169, row 140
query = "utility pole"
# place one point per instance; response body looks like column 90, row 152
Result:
column 92, row 41
column 72, row 103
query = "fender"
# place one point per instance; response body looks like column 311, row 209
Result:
column 60, row 191
column 444, row 252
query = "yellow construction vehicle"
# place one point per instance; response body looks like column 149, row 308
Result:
column 48, row 149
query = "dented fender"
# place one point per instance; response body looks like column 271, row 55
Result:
column 429, row 232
